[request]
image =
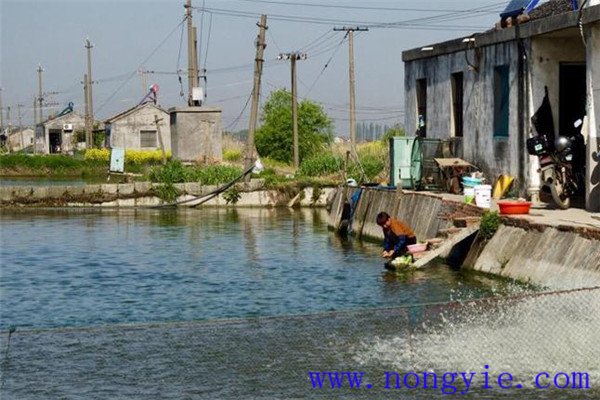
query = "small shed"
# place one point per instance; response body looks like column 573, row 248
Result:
column 136, row 128
column 57, row 135
column 19, row 140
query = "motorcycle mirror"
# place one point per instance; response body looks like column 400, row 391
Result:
column 578, row 123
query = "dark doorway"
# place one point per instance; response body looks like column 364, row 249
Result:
column 422, row 107
column 572, row 101
column 457, row 103
column 55, row 140
column 572, row 96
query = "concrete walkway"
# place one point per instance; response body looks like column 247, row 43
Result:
column 543, row 213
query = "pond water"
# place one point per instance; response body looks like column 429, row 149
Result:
column 222, row 303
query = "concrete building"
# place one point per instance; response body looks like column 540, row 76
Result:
column 484, row 89
column 197, row 135
column 57, row 135
column 136, row 129
column 20, row 139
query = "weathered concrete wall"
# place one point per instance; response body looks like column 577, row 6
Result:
column 593, row 112
column 196, row 134
column 551, row 258
column 125, row 132
column 19, row 140
column 427, row 214
column 494, row 155
column 142, row 194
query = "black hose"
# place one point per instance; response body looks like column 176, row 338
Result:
column 210, row 195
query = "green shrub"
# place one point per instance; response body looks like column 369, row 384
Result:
column 320, row 165
column 232, row 155
column 175, row 172
column 232, row 196
column 490, row 221
column 167, row 192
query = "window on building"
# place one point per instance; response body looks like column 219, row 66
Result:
column 147, row 138
column 457, row 104
column 501, row 101
column 422, row 107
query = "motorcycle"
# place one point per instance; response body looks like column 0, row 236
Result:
column 556, row 164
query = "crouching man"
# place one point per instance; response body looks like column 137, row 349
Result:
column 397, row 235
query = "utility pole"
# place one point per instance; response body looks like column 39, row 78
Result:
column 40, row 95
column 193, row 80
column 1, row 113
column 87, row 109
column 258, row 66
column 35, row 120
column 293, row 57
column 144, row 79
column 160, row 140
column 89, row 139
column 350, row 32
column 19, row 106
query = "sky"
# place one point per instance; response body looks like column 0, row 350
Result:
column 133, row 35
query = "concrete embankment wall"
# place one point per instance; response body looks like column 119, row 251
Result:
column 557, row 257
column 143, row 194
column 565, row 258
column 426, row 213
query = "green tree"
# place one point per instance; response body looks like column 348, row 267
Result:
column 396, row 130
column 274, row 138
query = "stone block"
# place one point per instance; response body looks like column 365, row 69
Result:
column 142, row 187
column 193, row 188
column 92, row 189
column 126, row 189
column 147, row 201
column 6, row 193
column 126, row 202
column 40, row 192
column 111, row 188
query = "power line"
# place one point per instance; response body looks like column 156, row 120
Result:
column 348, row 7
column 140, row 65
column 330, row 21
column 237, row 119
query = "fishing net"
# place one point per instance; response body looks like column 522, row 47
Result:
column 269, row 358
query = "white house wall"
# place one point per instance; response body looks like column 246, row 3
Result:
column 593, row 112
column 547, row 53
column 494, row 156
column 125, row 132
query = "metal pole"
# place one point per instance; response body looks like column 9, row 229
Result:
column 351, row 75
column 40, row 95
column 35, row 119
column 295, row 112
column 19, row 106
column 87, row 111
column 258, row 65
column 191, row 70
column 89, row 46
column 1, row 112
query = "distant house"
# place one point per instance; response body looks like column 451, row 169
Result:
column 20, row 139
column 135, row 128
column 483, row 90
column 57, row 135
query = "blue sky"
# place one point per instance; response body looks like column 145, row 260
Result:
column 129, row 35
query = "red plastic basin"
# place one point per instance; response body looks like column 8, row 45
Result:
column 514, row 207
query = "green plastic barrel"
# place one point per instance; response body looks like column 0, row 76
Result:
column 406, row 160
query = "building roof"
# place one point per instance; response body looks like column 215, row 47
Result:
column 132, row 110
column 547, row 20
column 62, row 117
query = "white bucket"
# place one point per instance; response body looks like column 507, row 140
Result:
column 483, row 196
column 469, row 195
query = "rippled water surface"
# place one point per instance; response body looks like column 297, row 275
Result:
column 242, row 304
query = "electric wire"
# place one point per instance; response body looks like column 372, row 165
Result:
column 237, row 119
column 140, row 65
